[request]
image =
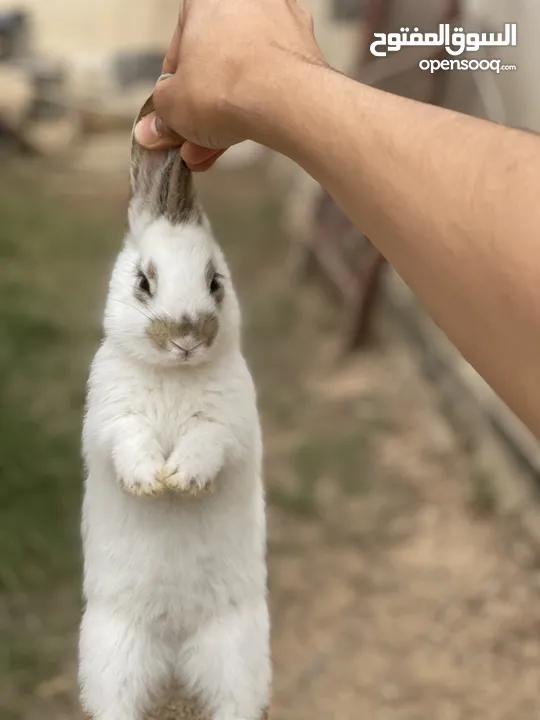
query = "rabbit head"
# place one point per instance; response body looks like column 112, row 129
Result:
column 171, row 299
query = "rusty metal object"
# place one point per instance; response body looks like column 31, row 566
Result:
column 341, row 251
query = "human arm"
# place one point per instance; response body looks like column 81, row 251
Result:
column 450, row 200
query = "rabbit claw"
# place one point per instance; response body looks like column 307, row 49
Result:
column 146, row 481
column 178, row 482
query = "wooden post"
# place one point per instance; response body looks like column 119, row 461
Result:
column 345, row 256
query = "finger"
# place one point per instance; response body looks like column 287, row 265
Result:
column 151, row 132
column 197, row 158
column 193, row 154
column 204, row 166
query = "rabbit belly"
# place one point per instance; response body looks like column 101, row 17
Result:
column 180, row 557
column 175, row 594
column 175, row 586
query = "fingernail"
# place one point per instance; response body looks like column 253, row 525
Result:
column 158, row 126
column 147, row 131
column 165, row 76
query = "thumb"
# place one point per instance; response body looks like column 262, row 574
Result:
column 151, row 132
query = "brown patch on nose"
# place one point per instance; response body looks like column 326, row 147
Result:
column 185, row 327
column 159, row 333
column 208, row 328
column 162, row 331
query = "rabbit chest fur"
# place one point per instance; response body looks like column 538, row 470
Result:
column 173, row 526
column 177, row 558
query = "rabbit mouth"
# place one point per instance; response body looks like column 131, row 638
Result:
column 186, row 353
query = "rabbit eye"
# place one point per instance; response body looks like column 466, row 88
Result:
column 215, row 285
column 143, row 284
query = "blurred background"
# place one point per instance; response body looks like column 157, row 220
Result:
column 404, row 533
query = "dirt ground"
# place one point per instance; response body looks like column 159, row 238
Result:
column 397, row 590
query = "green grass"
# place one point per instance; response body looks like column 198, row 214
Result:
column 54, row 267
column 50, row 257
column 344, row 458
column 483, row 495
column 55, row 260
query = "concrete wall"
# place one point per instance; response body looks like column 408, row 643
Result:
column 336, row 39
column 84, row 35
column 71, row 29
column 84, row 32
column 518, row 89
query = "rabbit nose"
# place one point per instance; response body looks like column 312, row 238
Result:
column 185, row 328
column 187, row 343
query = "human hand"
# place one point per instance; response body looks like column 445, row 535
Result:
column 227, row 58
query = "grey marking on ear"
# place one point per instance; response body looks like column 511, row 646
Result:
column 176, row 199
column 161, row 182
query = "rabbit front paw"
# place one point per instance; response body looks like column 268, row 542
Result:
column 182, row 482
column 147, row 479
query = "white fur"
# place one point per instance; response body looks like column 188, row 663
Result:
column 175, row 585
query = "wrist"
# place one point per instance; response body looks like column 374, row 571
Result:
column 273, row 103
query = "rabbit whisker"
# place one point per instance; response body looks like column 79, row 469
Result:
column 155, row 316
column 134, row 307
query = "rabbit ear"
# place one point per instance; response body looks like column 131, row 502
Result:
column 161, row 183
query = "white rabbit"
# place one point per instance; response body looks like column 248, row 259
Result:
column 174, row 530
